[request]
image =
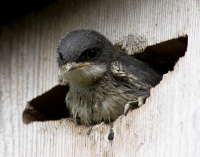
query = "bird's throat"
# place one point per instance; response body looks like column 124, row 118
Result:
column 86, row 76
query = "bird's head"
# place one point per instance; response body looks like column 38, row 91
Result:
column 84, row 56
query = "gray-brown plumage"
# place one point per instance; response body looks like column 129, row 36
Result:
column 104, row 82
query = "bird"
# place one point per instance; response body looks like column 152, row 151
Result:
column 104, row 82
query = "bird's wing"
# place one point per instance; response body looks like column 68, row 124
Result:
column 135, row 72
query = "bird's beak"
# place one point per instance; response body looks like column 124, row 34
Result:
column 73, row 65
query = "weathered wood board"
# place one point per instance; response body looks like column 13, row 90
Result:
column 167, row 125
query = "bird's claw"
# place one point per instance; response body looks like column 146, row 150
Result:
column 141, row 101
column 134, row 104
column 130, row 105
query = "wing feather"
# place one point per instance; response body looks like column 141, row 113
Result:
column 137, row 73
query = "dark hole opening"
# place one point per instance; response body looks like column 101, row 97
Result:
column 48, row 106
column 51, row 105
column 163, row 56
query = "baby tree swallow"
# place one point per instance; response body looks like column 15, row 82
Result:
column 104, row 81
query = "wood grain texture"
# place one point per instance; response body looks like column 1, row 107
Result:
column 167, row 125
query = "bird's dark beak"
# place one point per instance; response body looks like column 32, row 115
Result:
column 73, row 65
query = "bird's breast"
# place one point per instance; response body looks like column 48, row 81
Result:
column 93, row 105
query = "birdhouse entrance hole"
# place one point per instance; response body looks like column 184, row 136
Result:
column 51, row 105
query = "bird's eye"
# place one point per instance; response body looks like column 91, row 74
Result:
column 92, row 54
column 60, row 55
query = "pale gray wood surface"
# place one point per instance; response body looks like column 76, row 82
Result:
column 167, row 125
